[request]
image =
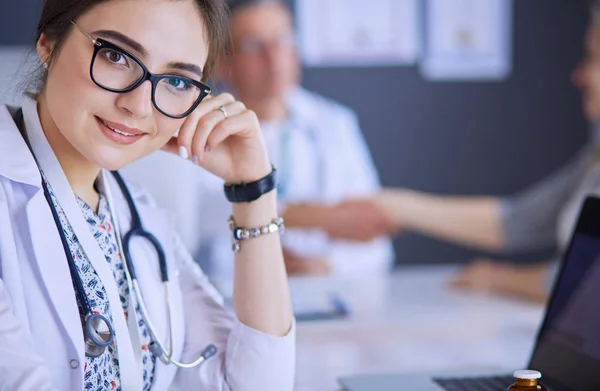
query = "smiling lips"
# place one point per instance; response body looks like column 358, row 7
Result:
column 119, row 133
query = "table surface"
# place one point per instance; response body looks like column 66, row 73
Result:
column 407, row 322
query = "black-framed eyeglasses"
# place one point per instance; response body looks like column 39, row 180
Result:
column 116, row 70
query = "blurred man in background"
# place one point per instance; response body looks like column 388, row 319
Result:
column 319, row 152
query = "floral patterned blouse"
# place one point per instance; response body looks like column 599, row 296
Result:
column 102, row 373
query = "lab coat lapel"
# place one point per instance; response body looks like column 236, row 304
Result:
column 48, row 259
column 130, row 374
column 53, row 268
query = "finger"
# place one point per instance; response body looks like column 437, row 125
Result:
column 188, row 129
column 206, row 106
column 238, row 124
column 209, row 123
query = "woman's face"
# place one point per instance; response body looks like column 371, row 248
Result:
column 163, row 34
column 587, row 75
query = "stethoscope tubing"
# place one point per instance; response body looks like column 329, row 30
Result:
column 97, row 346
column 156, row 346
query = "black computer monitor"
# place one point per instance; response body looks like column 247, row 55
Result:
column 567, row 351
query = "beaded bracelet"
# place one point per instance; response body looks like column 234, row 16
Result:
column 240, row 233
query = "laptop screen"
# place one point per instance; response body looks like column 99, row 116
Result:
column 568, row 346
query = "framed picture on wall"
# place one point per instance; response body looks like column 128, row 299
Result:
column 467, row 39
column 354, row 33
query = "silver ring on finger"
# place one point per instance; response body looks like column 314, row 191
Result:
column 223, row 110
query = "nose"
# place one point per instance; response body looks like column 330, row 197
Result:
column 138, row 103
column 274, row 55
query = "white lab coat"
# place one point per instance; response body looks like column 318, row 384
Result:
column 327, row 161
column 41, row 339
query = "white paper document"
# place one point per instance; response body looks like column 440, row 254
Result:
column 358, row 33
column 467, row 39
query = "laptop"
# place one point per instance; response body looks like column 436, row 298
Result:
column 567, row 348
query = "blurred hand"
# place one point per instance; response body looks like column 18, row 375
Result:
column 298, row 266
column 523, row 282
column 358, row 219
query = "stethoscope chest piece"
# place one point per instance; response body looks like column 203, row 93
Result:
column 98, row 334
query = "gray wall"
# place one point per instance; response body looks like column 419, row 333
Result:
column 18, row 20
column 451, row 138
column 473, row 138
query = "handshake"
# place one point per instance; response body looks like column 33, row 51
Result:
column 355, row 219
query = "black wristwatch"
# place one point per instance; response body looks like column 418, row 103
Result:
column 248, row 192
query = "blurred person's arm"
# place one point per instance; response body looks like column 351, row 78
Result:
column 530, row 282
column 525, row 221
column 472, row 221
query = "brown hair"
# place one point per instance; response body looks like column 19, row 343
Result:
column 56, row 17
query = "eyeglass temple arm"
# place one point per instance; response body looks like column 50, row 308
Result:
column 85, row 33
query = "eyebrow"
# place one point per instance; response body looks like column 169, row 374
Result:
column 124, row 39
column 184, row 66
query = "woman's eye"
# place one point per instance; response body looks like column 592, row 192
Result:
column 178, row 83
column 115, row 57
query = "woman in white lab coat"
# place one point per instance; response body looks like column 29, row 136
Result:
column 81, row 305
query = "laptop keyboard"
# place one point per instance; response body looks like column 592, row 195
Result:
column 476, row 384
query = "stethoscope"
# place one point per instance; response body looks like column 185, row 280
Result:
column 98, row 330
column 285, row 153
